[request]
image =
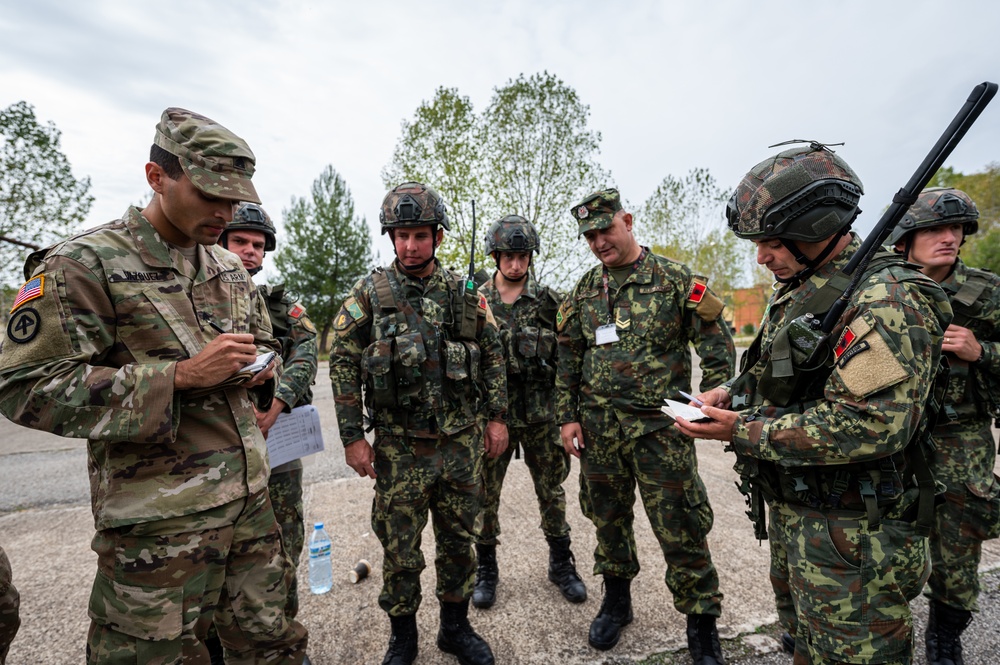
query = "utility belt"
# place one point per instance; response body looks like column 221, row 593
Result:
column 871, row 488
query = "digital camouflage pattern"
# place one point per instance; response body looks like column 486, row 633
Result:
column 217, row 161
column 412, row 204
column 117, row 313
column 10, row 620
column 597, row 211
column 429, row 446
column 965, row 451
column 251, row 217
column 446, row 381
column 867, row 409
column 936, row 206
column 150, row 604
column 806, row 193
column 527, row 329
column 296, row 334
column 615, row 392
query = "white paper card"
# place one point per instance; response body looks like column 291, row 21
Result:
column 294, row 435
column 606, row 334
column 686, row 411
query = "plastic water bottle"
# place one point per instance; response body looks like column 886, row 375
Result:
column 320, row 567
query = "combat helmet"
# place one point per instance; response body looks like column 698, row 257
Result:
column 251, row 217
column 937, row 206
column 805, row 193
column 412, row 204
column 512, row 233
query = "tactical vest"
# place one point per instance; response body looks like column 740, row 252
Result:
column 279, row 303
column 970, row 303
column 414, row 366
column 531, row 360
column 795, row 368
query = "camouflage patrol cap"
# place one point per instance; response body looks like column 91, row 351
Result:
column 412, row 204
column 937, row 206
column 597, row 211
column 806, row 193
column 251, row 217
column 513, row 233
column 217, row 161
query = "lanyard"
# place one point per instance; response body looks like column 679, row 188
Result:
column 606, row 280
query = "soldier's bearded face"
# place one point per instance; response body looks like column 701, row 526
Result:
column 936, row 247
column 614, row 246
column 191, row 215
column 248, row 245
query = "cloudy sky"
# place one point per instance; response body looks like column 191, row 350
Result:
column 671, row 86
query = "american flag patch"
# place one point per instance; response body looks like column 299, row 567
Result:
column 32, row 289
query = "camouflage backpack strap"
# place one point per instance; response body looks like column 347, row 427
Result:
column 384, row 292
column 964, row 301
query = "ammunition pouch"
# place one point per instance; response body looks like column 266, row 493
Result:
column 800, row 362
column 466, row 308
column 378, row 375
column 391, row 368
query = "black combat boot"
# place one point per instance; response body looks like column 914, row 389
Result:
column 703, row 640
column 944, row 634
column 457, row 637
column 403, row 641
column 787, row 643
column 487, row 574
column 562, row 570
column 615, row 614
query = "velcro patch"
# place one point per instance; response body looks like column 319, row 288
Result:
column 698, row 290
column 233, row 276
column 845, row 341
column 564, row 314
column 296, row 311
column 884, row 366
column 33, row 288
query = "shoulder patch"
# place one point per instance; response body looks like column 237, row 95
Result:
column 33, row 288
column 350, row 312
column 482, row 301
column 564, row 314
column 698, row 290
column 296, row 311
column 883, row 365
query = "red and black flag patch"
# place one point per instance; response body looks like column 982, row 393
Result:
column 846, row 338
column 296, row 311
column 698, row 290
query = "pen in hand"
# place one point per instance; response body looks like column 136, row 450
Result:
column 216, row 327
column 691, row 398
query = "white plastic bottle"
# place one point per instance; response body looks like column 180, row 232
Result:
column 320, row 567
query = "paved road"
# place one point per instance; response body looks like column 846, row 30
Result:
column 46, row 525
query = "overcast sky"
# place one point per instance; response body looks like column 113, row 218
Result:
column 671, row 86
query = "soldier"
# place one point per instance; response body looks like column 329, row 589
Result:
column 930, row 235
column 623, row 347
column 249, row 236
column 112, row 339
column 9, row 603
column 429, row 358
column 526, row 312
column 829, row 446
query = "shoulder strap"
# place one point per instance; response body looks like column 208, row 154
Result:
column 384, row 291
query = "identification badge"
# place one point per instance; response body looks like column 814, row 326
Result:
column 606, row 334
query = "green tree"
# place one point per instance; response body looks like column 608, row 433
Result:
column 40, row 200
column 684, row 220
column 326, row 248
column 529, row 153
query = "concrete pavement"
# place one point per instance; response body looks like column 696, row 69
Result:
column 46, row 526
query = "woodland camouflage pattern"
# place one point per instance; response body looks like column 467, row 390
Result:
column 615, row 392
column 296, row 334
column 428, row 450
column 867, row 409
column 527, row 328
column 597, row 210
column 217, row 161
column 936, row 206
column 9, row 603
column 965, row 452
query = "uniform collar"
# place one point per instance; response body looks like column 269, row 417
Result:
column 155, row 252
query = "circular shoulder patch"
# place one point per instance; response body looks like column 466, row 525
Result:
column 23, row 325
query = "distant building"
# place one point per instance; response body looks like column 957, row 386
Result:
column 745, row 306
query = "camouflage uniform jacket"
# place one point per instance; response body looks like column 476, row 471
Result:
column 869, row 406
column 659, row 309
column 528, row 332
column 119, row 309
column 443, row 384
column 973, row 388
column 297, row 335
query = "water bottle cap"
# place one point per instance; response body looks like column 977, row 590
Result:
column 319, row 525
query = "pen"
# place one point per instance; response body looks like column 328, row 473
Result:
column 216, row 327
column 691, row 398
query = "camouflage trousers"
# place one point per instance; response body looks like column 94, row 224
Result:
column 160, row 585
column 664, row 466
column 285, row 489
column 9, row 603
column 415, row 477
column 548, row 464
column 849, row 585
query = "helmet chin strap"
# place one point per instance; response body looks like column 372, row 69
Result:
column 254, row 271
column 513, row 279
column 423, row 264
column 810, row 264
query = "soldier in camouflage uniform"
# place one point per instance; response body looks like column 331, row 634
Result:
column 526, row 312
column 112, row 340
column 831, row 441
column 624, row 335
column 9, row 603
column 930, row 234
column 427, row 354
column 249, row 236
